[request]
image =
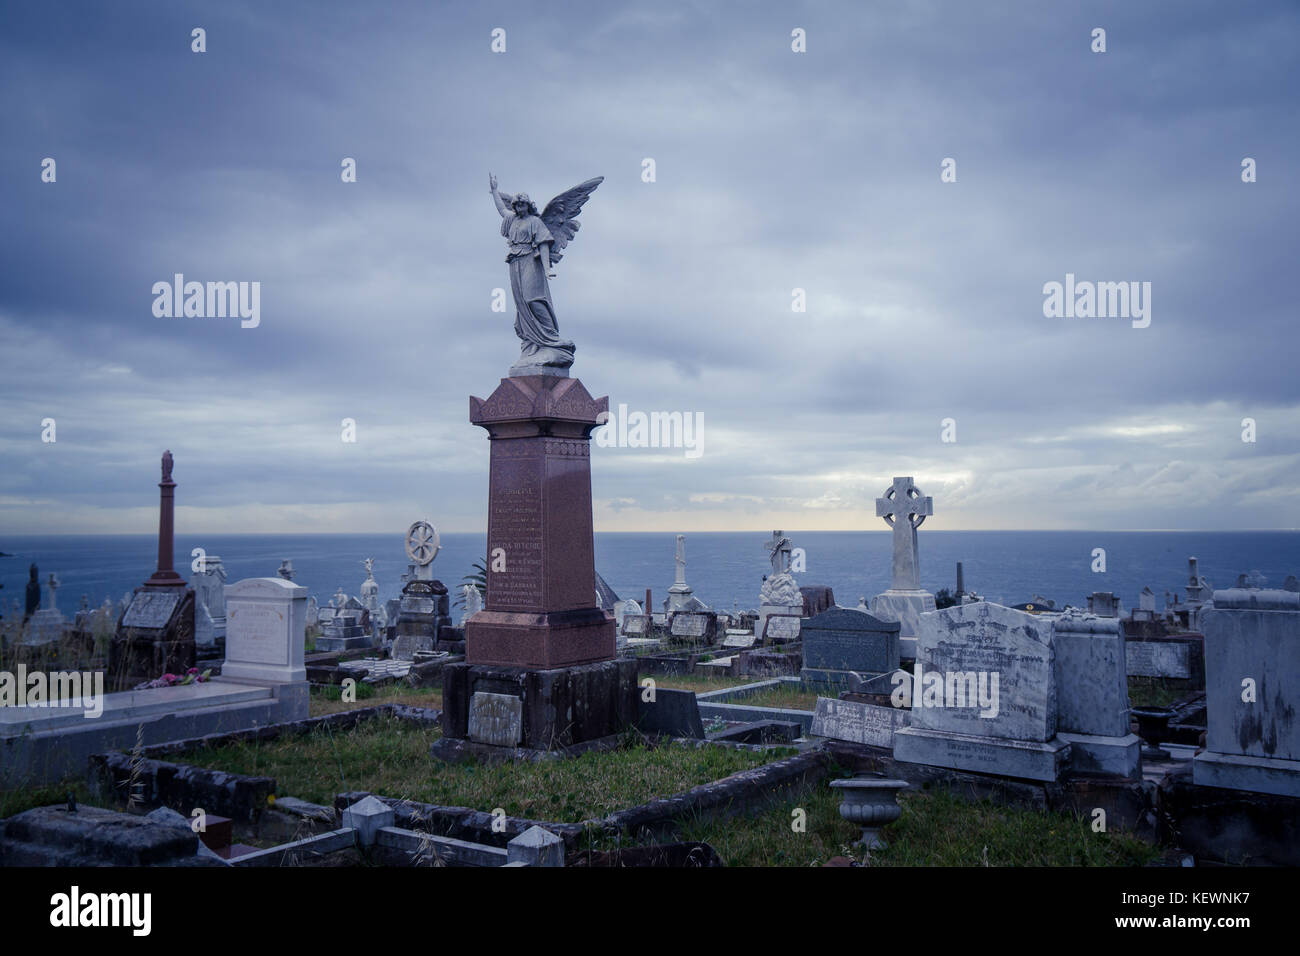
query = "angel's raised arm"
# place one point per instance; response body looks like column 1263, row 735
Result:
column 502, row 205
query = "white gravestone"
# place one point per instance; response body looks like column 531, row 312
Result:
column 266, row 628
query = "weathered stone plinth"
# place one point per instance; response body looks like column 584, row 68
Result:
column 557, row 708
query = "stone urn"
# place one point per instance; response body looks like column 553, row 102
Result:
column 1153, row 727
column 871, row 803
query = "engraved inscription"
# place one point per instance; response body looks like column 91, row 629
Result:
column 495, row 719
column 151, row 608
column 1158, row 659
column 257, row 634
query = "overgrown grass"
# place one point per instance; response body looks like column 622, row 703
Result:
column 785, row 696
column 16, row 801
column 700, row 683
column 1157, row 691
column 329, row 700
column 392, row 757
column 936, row 829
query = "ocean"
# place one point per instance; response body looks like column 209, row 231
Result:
column 724, row 568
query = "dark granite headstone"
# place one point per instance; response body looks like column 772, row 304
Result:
column 843, row 639
column 673, row 712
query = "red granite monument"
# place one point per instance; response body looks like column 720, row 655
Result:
column 540, row 670
column 540, row 609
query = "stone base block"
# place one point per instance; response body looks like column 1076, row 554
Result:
column 1023, row 759
column 561, row 707
column 545, row 640
column 905, row 607
column 1119, row 756
column 1235, row 772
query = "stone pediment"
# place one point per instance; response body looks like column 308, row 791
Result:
column 537, row 397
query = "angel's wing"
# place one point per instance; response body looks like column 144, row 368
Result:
column 561, row 215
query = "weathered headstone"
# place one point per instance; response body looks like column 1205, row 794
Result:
column 859, row 722
column 1103, row 604
column 1092, row 695
column 699, row 626
column 843, row 640
column 986, row 700
column 209, row 585
column 1252, row 692
column 781, row 628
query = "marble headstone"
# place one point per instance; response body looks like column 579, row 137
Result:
column 266, row 629
column 1004, row 656
column 1252, row 692
column 843, row 640
column 1092, row 695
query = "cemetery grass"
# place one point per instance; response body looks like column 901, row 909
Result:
column 1157, row 691
column 329, row 699
column 391, row 758
column 700, row 683
column 936, row 829
column 787, row 697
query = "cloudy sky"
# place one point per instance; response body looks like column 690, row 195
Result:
column 774, row 171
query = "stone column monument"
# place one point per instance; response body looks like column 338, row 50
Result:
column 679, row 595
column 540, row 670
column 156, row 633
column 904, row 509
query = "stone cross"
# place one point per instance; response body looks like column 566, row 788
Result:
column 680, row 576
column 781, row 550
column 903, row 500
column 53, row 585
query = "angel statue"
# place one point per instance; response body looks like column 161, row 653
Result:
column 535, row 243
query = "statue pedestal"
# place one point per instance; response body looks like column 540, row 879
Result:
column 540, row 637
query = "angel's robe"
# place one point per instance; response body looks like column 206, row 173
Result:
column 535, row 322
